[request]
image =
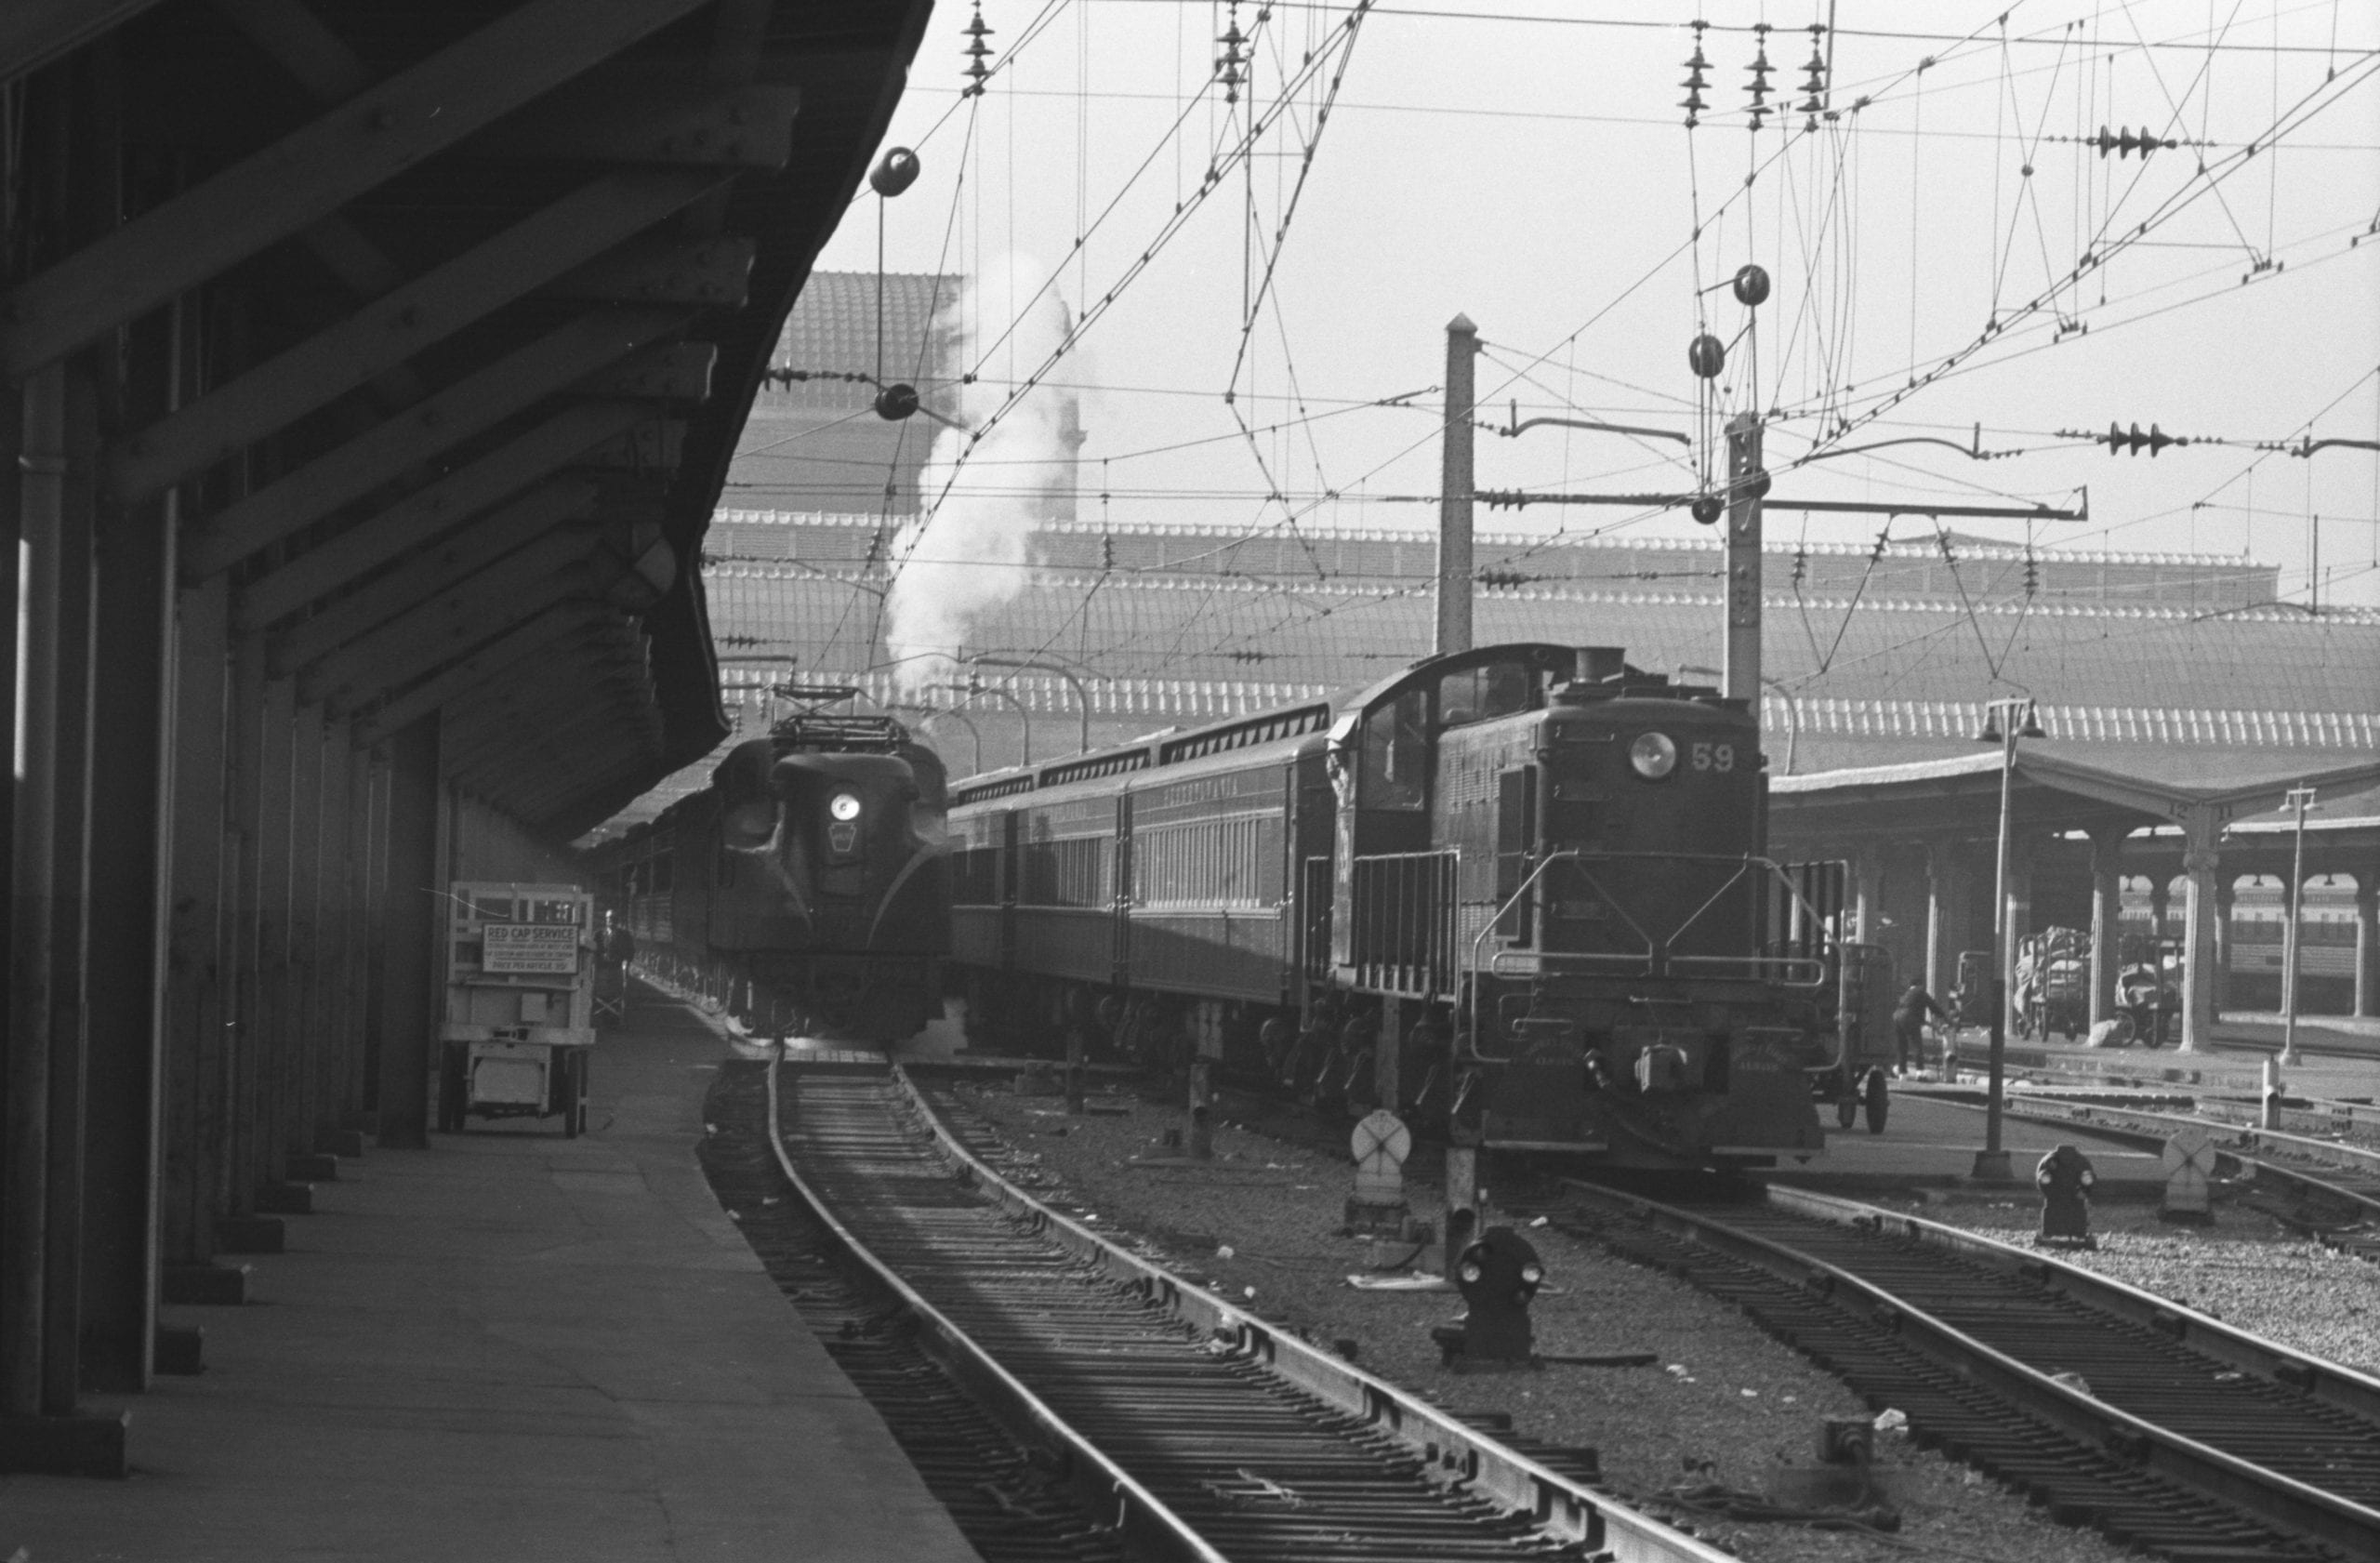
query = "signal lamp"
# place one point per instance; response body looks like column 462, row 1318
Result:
column 1654, row 755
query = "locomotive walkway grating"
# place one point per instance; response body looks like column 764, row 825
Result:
column 2134, row 1368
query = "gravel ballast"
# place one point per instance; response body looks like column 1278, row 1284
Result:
column 2245, row 1269
column 1723, row 1405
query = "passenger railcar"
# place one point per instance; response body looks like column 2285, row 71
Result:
column 1521, row 891
column 809, row 885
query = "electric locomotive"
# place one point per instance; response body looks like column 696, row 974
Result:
column 809, row 885
column 1520, row 891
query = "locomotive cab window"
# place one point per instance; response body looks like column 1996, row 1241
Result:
column 1396, row 753
column 1479, row 694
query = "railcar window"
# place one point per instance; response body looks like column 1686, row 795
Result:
column 1396, row 753
column 1070, row 873
column 1210, row 863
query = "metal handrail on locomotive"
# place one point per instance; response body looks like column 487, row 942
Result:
column 807, row 886
column 1542, row 870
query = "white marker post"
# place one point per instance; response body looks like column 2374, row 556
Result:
column 1380, row 1145
column 2189, row 1164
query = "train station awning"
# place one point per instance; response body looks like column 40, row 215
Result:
column 429, row 332
column 2054, row 790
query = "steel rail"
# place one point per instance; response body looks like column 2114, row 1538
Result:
column 2247, row 1137
column 1150, row 1527
column 2293, row 1506
column 1562, row 1509
column 2335, row 1383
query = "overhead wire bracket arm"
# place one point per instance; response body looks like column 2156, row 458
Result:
column 1517, row 426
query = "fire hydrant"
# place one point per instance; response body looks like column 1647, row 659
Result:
column 2065, row 1178
column 1498, row 1275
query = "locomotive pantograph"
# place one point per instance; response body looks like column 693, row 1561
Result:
column 1545, row 865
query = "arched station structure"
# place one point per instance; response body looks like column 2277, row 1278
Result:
column 371, row 371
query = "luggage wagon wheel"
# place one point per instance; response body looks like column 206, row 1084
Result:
column 1878, row 1101
column 1847, row 1109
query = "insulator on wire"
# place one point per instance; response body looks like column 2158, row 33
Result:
column 1227, row 68
column 1813, row 101
column 2123, row 144
column 2117, row 441
column 1696, row 63
column 976, row 72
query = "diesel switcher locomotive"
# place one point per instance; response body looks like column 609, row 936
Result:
column 1520, row 891
column 808, row 885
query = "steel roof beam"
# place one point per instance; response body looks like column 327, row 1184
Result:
column 616, row 782
column 649, row 112
column 376, row 539
column 384, row 334
column 470, row 406
column 499, row 531
column 555, row 633
column 716, row 273
column 275, row 192
column 559, row 541
column 454, row 621
column 33, row 32
column 526, row 709
column 572, row 758
column 492, row 745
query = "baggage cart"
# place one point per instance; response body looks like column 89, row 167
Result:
column 518, row 1029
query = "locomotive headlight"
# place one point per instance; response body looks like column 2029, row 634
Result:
column 1654, row 755
column 844, row 805
column 1471, row 1274
column 1532, row 1274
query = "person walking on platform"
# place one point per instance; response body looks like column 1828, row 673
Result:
column 1909, row 1024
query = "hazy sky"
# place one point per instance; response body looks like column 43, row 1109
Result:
column 1525, row 163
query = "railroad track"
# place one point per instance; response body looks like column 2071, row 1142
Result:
column 1195, row 1430
column 2168, row 1431
column 2329, row 1189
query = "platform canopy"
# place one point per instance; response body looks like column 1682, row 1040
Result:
column 464, row 303
column 2198, row 794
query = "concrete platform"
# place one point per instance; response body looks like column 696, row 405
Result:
column 2336, row 1059
column 1929, row 1144
column 515, row 1347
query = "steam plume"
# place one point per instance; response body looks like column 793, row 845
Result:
column 969, row 553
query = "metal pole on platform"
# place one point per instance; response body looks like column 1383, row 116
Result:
column 2001, row 726
column 2300, row 799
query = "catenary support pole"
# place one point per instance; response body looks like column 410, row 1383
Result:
column 1745, row 481
column 1455, row 479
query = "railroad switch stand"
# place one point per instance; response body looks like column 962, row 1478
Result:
column 1499, row 1277
column 2065, row 1178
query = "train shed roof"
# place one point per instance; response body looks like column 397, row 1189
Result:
column 472, row 299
